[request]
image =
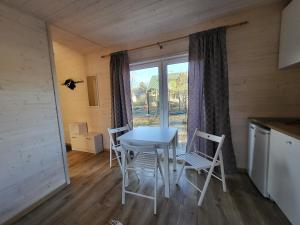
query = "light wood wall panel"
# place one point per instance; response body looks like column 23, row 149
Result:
column 75, row 106
column 256, row 86
column 74, row 103
column 253, row 74
column 115, row 23
column 101, row 118
column 31, row 158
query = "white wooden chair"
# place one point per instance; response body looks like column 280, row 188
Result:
column 115, row 144
column 200, row 161
column 145, row 158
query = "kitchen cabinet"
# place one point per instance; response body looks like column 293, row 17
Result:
column 284, row 174
column 289, row 51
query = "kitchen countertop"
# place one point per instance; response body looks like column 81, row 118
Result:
column 288, row 126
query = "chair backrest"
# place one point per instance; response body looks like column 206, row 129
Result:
column 210, row 137
column 139, row 147
column 114, row 132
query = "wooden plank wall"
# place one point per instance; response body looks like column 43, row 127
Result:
column 101, row 117
column 74, row 103
column 73, row 64
column 31, row 158
column 257, row 87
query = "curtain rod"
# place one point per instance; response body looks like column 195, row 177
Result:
column 178, row 38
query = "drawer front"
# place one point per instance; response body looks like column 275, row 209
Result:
column 81, row 143
column 284, row 178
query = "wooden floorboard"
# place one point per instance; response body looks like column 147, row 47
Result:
column 94, row 198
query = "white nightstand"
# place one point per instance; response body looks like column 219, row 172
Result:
column 92, row 142
column 84, row 141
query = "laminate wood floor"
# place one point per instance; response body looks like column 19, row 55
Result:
column 94, row 198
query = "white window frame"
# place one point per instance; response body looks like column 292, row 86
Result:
column 162, row 64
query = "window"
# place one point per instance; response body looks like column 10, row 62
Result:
column 159, row 91
column 178, row 98
column 145, row 96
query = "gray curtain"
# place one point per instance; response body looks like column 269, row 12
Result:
column 208, row 91
column 120, row 89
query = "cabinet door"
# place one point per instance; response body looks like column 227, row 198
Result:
column 284, row 174
column 289, row 52
column 260, row 160
column 251, row 140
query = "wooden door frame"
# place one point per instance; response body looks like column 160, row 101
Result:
column 57, row 104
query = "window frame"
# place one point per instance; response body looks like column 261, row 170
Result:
column 162, row 64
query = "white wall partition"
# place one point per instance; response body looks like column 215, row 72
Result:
column 32, row 162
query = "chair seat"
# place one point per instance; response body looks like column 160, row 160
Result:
column 144, row 160
column 196, row 160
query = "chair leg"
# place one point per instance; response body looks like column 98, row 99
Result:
column 161, row 172
column 118, row 158
column 174, row 156
column 205, row 186
column 110, row 157
column 124, row 177
column 155, row 187
column 180, row 173
column 222, row 172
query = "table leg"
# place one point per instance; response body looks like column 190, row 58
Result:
column 174, row 154
column 166, row 172
column 123, row 157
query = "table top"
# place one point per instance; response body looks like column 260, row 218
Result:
column 155, row 135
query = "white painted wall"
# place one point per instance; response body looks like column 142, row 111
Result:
column 31, row 159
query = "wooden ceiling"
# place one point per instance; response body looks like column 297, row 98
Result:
column 123, row 23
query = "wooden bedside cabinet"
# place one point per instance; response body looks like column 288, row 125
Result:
column 92, row 142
